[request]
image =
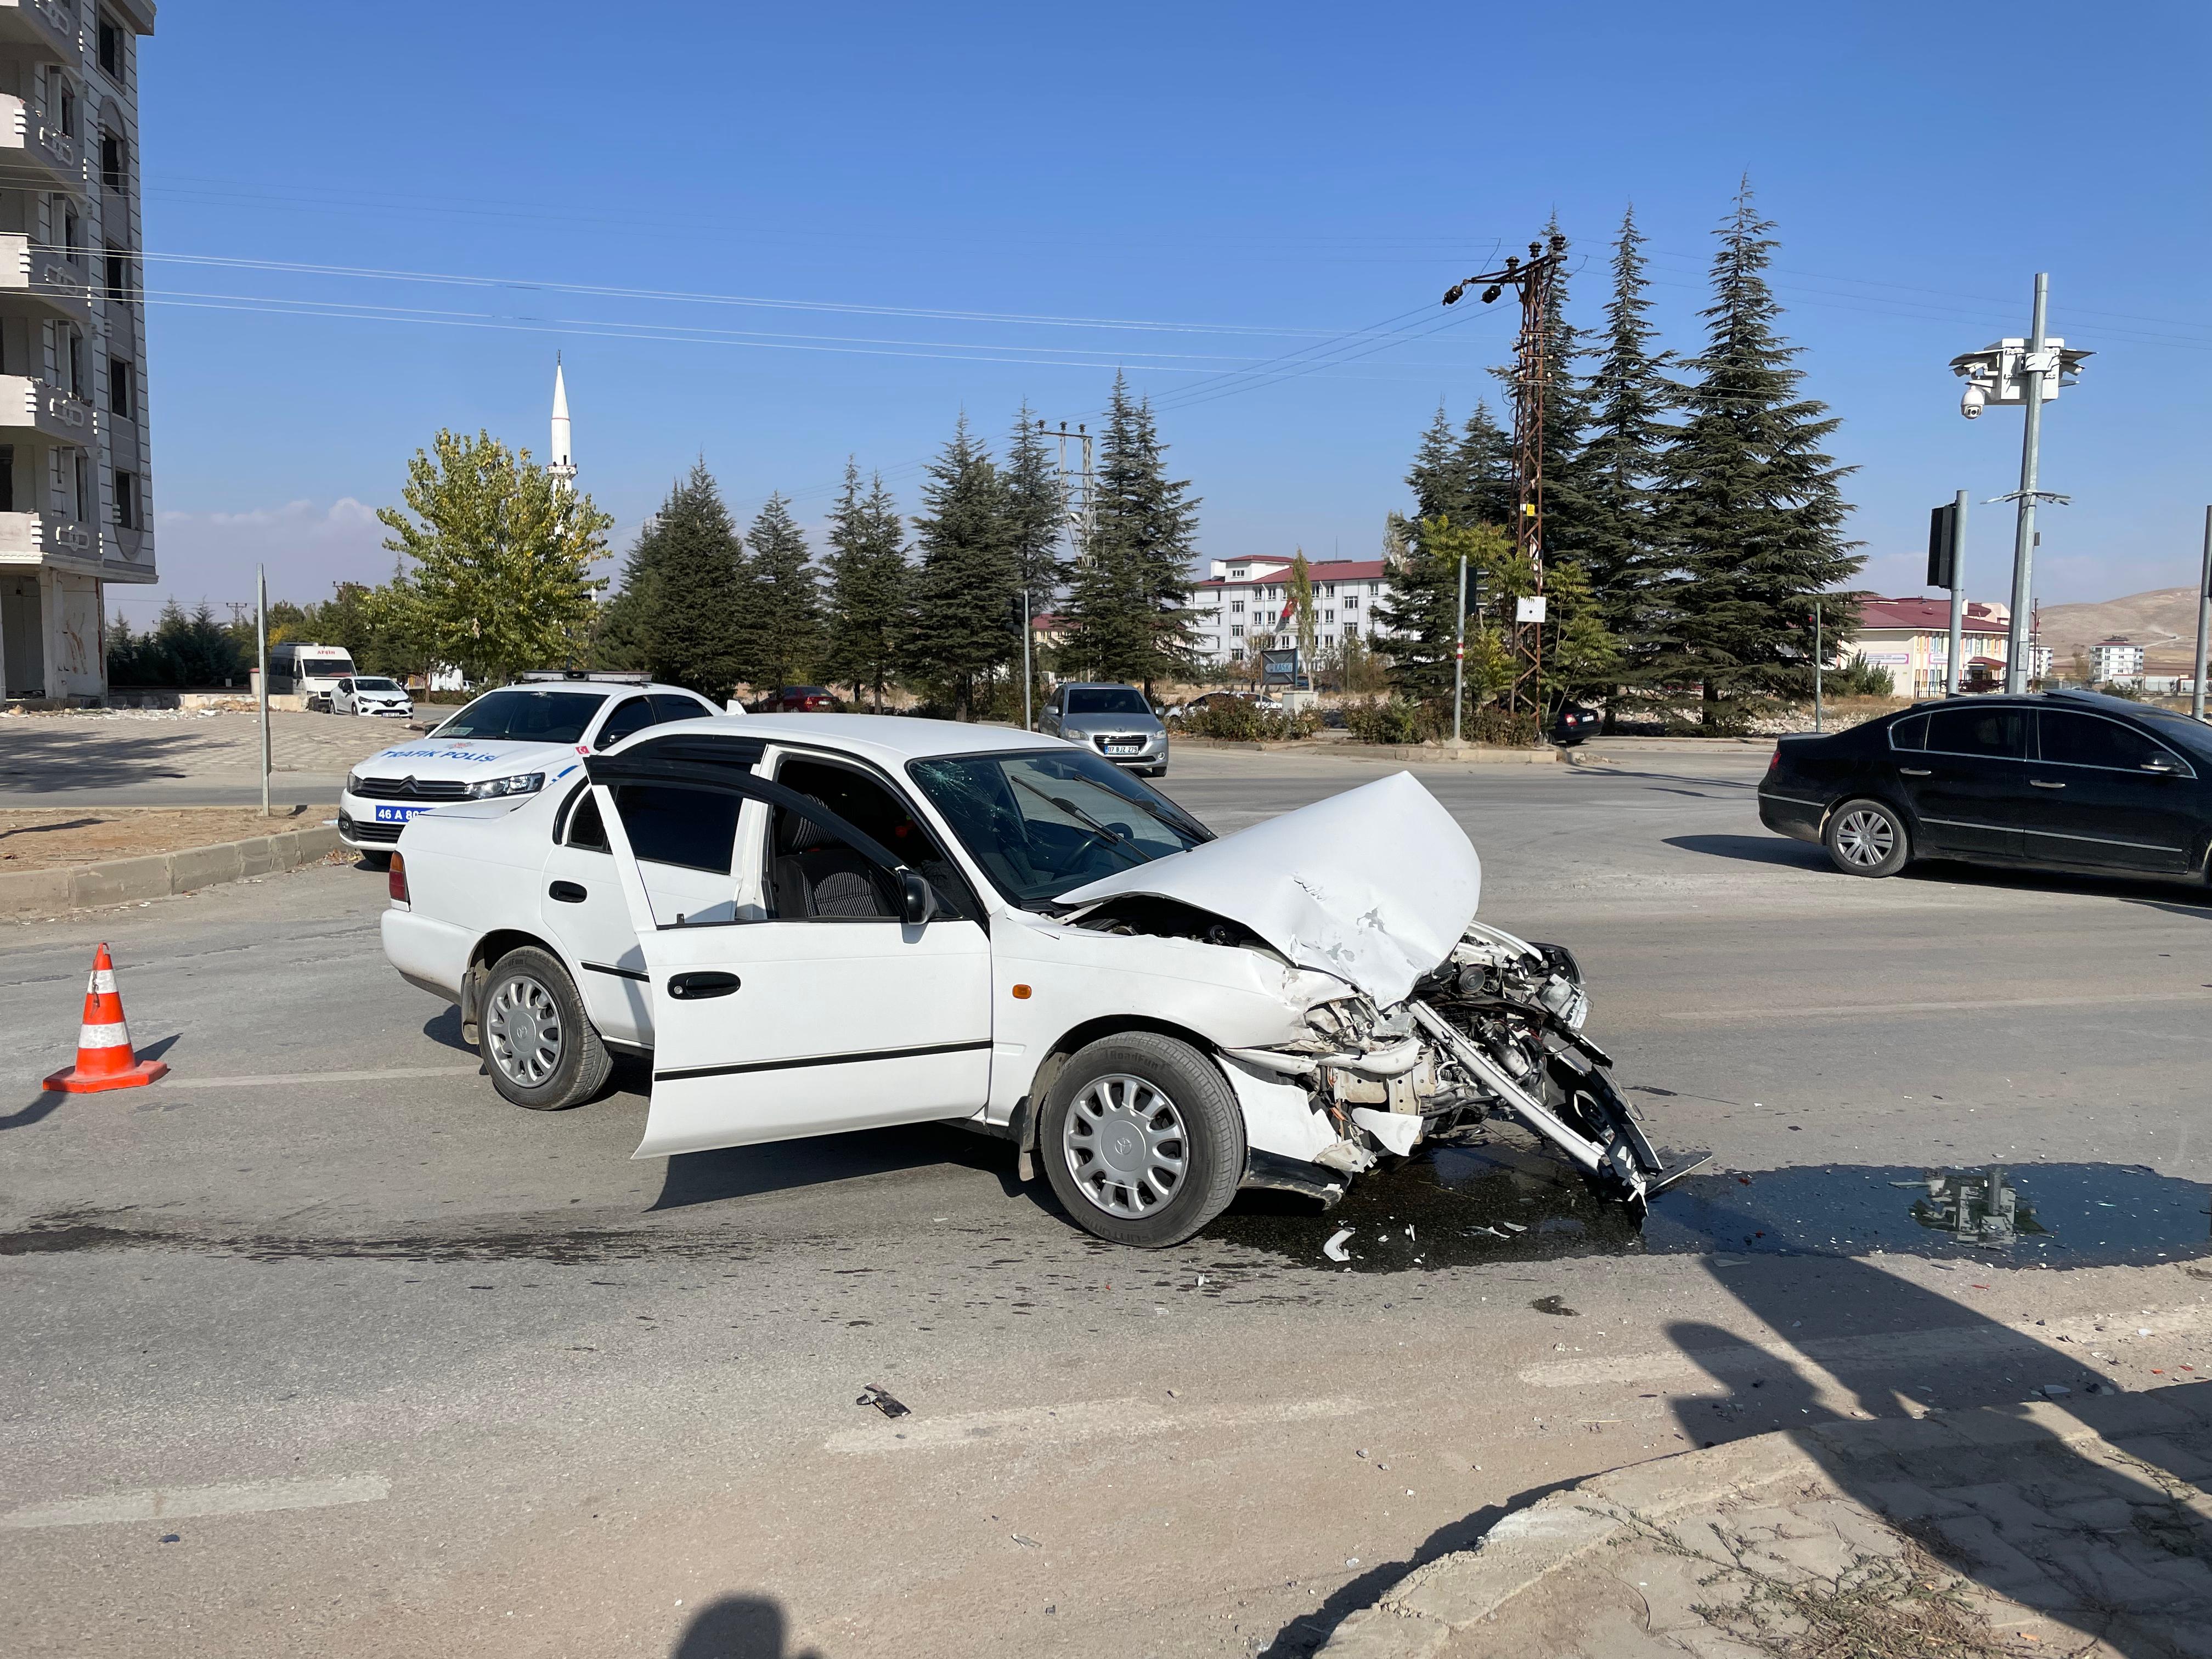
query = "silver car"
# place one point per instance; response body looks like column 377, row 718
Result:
column 1115, row 719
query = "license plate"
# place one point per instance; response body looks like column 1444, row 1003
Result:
column 399, row 814
column 1124, row 748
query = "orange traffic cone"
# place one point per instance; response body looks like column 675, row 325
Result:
column 105, row 1058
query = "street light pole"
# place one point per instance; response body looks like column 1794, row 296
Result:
column 2023, row 539
column 261, row 658
column 1817, row 652
column 1958, row 589
column 1459, row 651
column 2203, row 619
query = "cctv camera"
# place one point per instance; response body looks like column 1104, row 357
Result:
column 1971, row 405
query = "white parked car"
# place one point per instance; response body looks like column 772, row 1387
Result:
column 367, row 694
column 825, row 923
column 512, row 742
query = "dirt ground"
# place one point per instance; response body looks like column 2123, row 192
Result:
column 55, row 837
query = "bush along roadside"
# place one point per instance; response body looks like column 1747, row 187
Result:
column 1233, row 720
column 1397, row 721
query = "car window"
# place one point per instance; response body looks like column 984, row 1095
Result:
column 1107, row 700
column 2000, row 733
column 627, row 720
column 811, row 875
column 672, row 706
column 374, row 685
column 1041, row 821
column 668, row 823
column 2071, row 740
column 525, row 716
column 345, row 685
column 1910, row 732
column 586, row 830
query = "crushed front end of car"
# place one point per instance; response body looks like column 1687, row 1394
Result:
column 1415, row 1018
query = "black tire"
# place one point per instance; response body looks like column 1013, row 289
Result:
column 538, row 1045
column 1867, row 837
column 1209, row 1144
column 378, row 862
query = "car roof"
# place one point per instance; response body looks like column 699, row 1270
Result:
column 1097, row 686
column 2064, row 697
column 889, row 740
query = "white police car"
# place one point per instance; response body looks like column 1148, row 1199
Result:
column 514, row 741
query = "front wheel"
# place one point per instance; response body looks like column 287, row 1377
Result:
column 1867, row 838
column 1142, row 1141
column 537, row 1043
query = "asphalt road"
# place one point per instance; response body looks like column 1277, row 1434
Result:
column 318, row 1347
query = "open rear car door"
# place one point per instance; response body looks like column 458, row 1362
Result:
column 779, row 1027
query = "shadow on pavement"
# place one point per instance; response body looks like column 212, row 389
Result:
column 738, row 1627
column 1756, row 850
column 753, row 1171
column 1999, row 1500
column 72, row 759
column 37, row 1111
column 1310, row 1632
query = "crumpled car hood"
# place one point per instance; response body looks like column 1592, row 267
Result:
column 1373, row 886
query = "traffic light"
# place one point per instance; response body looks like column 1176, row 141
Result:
column 1017, row 613
column 1943, row 546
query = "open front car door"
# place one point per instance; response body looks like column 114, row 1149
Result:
column 865, row 1008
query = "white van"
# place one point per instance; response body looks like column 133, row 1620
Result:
column 311, row 672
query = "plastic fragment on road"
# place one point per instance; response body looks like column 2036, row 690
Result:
column 1334, row 1249
column 879, row 1396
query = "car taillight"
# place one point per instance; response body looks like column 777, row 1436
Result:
column 396, row 883
column 1774, row 760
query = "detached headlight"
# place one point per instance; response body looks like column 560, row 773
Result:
column 523, row 783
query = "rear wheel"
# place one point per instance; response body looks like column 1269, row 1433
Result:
column 1867, row 838
column 540, row 1048
column 378, row 862
column 1142, row 1139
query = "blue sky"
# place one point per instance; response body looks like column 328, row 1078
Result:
column 1238, row 190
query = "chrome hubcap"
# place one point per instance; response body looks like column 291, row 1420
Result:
column 523, row 1025
column 1865, row 839
column 1124, row 1146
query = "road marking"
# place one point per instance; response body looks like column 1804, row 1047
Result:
column 176, row 1503
column 1945, row 1347
column 1700, row 1016
column 1077, row 1420
column 396, row 1074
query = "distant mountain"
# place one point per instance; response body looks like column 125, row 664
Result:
column 2163, row 622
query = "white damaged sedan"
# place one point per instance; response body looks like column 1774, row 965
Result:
column 820, row 923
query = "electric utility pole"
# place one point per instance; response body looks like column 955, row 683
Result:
column 2203, row 620
column 2030, row 373
column 1532, row 280
column 1079, row 496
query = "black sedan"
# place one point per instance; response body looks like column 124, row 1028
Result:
column 2066, row 779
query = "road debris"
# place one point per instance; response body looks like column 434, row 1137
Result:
column 1334, row 1249
column 880, row 1397
column 1555, row 1305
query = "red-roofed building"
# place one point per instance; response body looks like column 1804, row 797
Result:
column 1242, row 605
column 1911, row 638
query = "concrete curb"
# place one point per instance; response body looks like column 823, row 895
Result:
column 1417, row 1616
column 1465, row 754
column 158, row 875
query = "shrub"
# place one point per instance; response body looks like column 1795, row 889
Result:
column 1862, row 679
column 1385, row 720
column 1235, row 719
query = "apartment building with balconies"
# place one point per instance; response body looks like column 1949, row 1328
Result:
column 75, row 499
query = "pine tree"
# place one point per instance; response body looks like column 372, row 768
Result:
column 1629, row 396
column 685, row 592
column 1034, row 511
column 1749, row 501
column 781, row 636
column 1129, row 615
column 957, row 633
column 868, row 586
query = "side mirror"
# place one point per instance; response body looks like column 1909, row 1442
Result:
column 2160, row 764
column 917, row 903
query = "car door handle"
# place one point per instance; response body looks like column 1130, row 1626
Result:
column 1916, row 771
column 693, row 988
column 568, row 892
column 2039, row 784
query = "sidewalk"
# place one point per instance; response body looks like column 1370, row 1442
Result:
column 2038, row 1528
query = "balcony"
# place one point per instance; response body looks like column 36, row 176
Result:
column 36, row 281
column 32, row 146
column 47, row 27
column 39, row 407
column 37, row 538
